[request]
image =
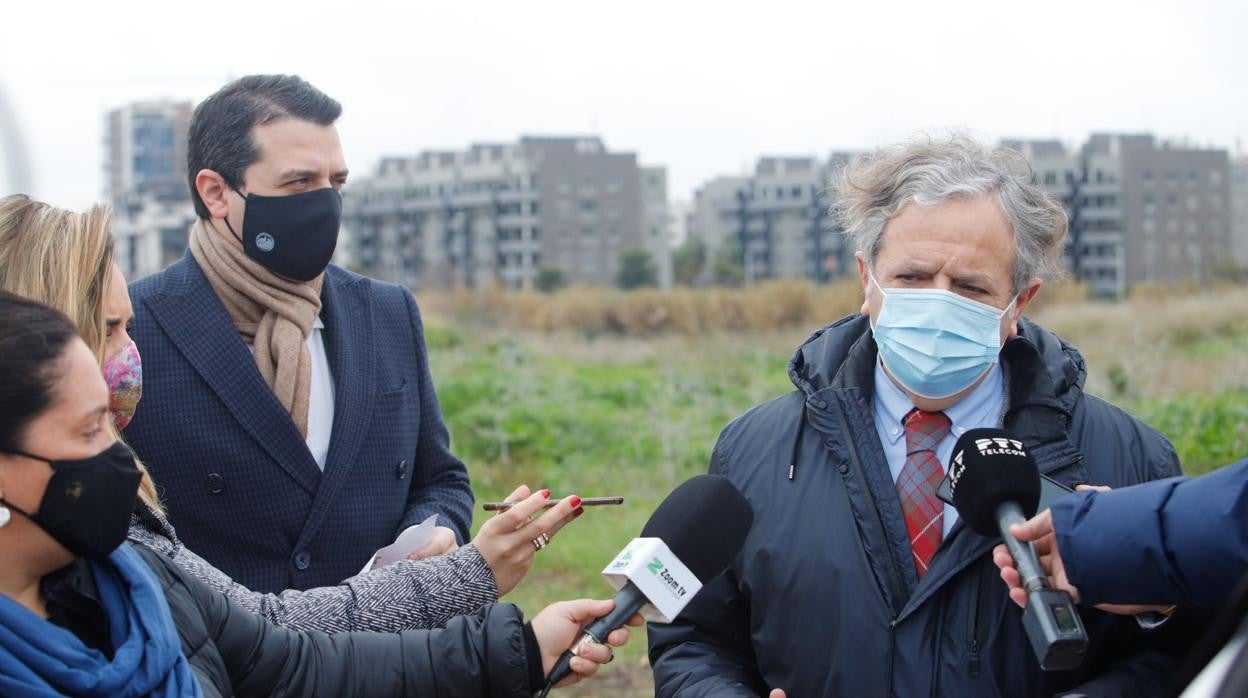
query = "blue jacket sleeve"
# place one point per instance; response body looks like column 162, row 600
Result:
column 440, row 483
column 1180, row 540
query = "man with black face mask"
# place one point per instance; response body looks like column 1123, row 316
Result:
column 291, row 419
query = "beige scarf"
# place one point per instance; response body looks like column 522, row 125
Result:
column 274, row 315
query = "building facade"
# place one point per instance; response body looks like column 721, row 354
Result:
column 145, row 181
column 1239, row 210
column 497, row 213
column 145, row 149
column 775, row 223
column 1140, row 211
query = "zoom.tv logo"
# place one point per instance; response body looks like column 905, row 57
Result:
column 658, row 569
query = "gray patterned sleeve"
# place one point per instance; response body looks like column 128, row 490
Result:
column 405, row 595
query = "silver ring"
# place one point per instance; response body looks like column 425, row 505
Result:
column 541, row 541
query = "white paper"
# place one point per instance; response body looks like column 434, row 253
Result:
column 412, row 538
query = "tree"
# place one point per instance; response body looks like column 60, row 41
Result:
column 637, row 269
column 728, row 270
column 688, row 260
column 550, row 278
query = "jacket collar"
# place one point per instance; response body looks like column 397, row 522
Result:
column 186, row 308
column 1045, row 375
column 1045, row 379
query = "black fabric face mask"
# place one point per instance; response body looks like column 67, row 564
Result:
column 88, row 503
column 292, row 236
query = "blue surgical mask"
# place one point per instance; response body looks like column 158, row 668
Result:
column 936, row 343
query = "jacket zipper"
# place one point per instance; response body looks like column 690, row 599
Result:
column 894, row 578
column 973, row 662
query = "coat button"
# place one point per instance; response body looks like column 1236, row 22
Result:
column 303, row 560
column 401, row 469
column 216, row 483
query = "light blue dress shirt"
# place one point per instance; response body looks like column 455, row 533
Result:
column 984, row 407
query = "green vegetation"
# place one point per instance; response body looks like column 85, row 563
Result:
column 1208, row 431
column 637, row 269
column 550, row 278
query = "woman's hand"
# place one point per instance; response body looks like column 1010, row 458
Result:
column 560, row 624
column 506, row 541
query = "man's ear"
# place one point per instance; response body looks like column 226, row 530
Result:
column 213, row 190
column 1025, row 297
column 862, row 276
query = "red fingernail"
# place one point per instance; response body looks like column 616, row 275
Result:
column 545, row 494
column 578, row 512
column 576, row 501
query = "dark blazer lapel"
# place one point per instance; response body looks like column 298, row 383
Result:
column 195, row 321
column 346, row 311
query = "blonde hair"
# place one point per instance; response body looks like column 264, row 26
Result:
column 63, row 259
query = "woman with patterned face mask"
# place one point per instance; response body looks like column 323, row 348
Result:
column 65, row 259
column 83, row 612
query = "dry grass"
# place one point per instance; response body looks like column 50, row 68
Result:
column 1160, row 343
column 593, row 311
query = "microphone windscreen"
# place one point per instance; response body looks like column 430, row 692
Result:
column 989, row 467
column 704, row 522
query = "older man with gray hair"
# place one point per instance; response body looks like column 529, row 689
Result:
column 856, row 580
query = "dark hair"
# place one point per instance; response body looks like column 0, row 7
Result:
column 32, row 338
column 220, row 133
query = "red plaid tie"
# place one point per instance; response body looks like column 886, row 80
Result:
column 916, row 486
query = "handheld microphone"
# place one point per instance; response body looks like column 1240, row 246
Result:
column 693, row 536
column 995, row 483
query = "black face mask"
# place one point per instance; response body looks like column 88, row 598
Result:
column 292, row 236
column 88, row 503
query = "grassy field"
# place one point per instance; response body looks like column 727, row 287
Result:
column 604, row 413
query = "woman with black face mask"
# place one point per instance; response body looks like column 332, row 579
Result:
column 83, row 613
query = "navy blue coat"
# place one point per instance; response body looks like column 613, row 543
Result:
column 1181, row 540
column 823, row 599
column 240, row 484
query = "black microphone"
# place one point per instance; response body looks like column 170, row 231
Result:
column 994, row 483
column 703, row 524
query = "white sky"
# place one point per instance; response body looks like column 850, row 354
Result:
column 701, row 87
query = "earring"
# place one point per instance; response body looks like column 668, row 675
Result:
column 4, row 516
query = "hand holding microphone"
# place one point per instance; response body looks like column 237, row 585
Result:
column 692, row 536
column 995, row 484
column 559, row 625
column 1039, row 531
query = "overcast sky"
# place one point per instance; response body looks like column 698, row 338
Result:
column 701, row 87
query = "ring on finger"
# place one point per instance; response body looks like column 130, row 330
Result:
column 541, row 541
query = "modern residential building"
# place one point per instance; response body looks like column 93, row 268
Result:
column 497, row 213
column 150, row 232
column 145, row 149
column 1140, row 211
column 775, row 223
column 145, row 180
column 1239, row 210
column 656, row 226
